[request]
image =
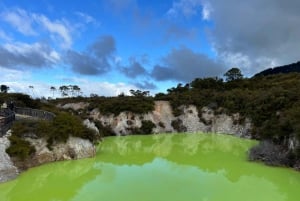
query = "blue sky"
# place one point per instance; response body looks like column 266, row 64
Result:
column 111, row 46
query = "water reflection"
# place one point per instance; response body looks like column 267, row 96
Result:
column 160, row 167
column 57, row 181
column 162, row 180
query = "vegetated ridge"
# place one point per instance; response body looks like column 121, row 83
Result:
column 294, row 67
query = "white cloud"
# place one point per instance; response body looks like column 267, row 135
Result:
column 106, row 88
column 206, row 11
column 187, row 8
column 87, row 18
column 19, row 19
column 9, row 75
column 17, row 80
column 55, row 28
column 27, row 23
column 244, row 62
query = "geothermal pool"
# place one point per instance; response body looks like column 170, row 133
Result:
column 165, row 167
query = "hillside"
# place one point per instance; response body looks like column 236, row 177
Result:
column 294, row 67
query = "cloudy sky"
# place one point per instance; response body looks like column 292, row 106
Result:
column 111, row 46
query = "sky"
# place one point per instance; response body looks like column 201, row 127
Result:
column 108, row 47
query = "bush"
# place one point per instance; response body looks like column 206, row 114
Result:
column 19, row 148
column 116, row 105
column 104, row 131
column 65, row 125
column 178, row 125
column 20, row 100
column 147, row 127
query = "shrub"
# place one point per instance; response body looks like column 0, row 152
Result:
column 161, row 124
column 178, row 125
column 147, row 127
column 104, row 131
column 19, row 148
column 116, row 105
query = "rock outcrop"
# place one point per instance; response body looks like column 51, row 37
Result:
column 7, row 169
column 74, row 148
column 275, row 154
column 190, row 121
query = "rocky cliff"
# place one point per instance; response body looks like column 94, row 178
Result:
column 74, row 148
column 7, row 169
column 190, row 120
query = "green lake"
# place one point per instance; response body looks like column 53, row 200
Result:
column 165, row 167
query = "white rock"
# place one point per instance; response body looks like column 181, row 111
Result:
column 7, row 170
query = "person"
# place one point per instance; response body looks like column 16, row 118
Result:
column 11, row 106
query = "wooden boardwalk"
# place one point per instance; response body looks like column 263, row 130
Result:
column 7, row 117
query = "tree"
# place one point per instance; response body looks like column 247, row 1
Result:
column 32, row 90
column 64, row 90
column 233, row 74
column 53, row 89
column 139, row 93
column 76, row 89
column 4, row 88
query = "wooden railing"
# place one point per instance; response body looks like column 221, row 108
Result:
column 8, row 116
column 6, row 119
column 38, row 114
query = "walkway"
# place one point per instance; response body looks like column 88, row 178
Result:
column 7, row 117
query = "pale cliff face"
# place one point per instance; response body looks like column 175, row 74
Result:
column 74, row 148
column 7, row 169
column 189, row 121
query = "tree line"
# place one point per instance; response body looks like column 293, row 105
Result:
column 65, row 90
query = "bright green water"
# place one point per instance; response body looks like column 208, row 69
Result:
column 185, row 167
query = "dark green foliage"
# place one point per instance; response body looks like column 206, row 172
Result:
column 19, row 148
column 25, row 128
column 161, row 124
column 116, row 105
column 233, row 74
column 294, row 67
column 4, row 88
column 104, row 131
column 20, row 100
column 147, row 127
column 140, row 103
column 207, row 83
column 178, row 125
column 65, row 125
